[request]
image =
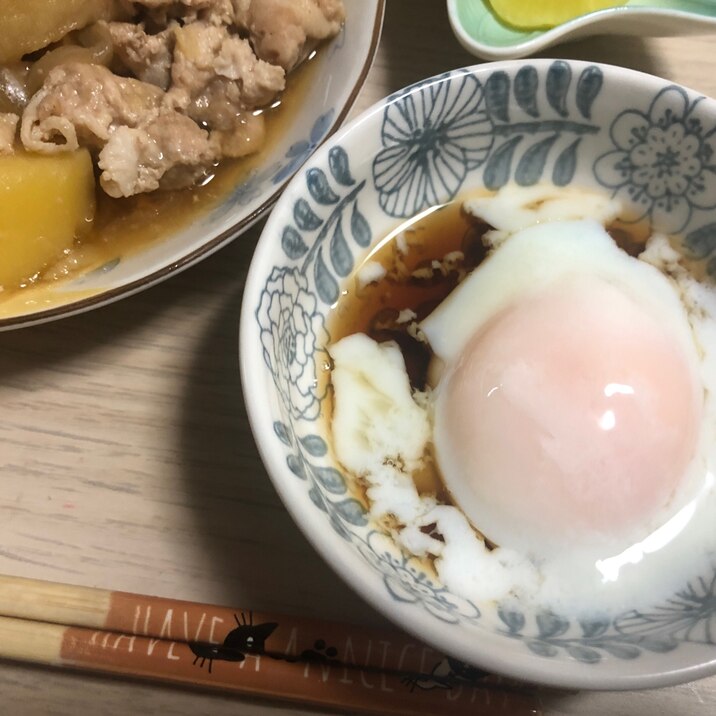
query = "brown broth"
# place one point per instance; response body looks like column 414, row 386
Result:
column 373, row 309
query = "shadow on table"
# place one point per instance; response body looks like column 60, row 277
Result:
column 50, row 346
column 260, row 558
column 404, row 30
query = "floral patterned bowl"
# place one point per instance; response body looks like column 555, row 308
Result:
column 342, row 68
column 639, row 137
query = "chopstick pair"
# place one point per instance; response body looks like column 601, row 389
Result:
column 297, row 659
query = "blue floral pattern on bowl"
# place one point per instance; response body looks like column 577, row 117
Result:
column 689, row 616
column 259, row 181
column 433, row 137
column 663, row 161
column 406, row 580
column 297, row 153
column 525, row 123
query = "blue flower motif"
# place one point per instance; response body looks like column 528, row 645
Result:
column 292, row 337
column 252, row 187
column 432, row 135
column 662, row 161
column 688, row 616
column 105, row 268
column 407, row 582
column 300, row 151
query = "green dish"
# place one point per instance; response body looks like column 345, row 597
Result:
column 480, row 31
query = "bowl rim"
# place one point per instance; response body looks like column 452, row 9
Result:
column 103, row 298
column 333, row 550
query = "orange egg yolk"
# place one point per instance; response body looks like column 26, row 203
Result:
column 572, row 415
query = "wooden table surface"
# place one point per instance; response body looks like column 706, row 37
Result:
column 127, row 460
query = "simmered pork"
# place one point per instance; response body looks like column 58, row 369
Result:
column 147, row 57
column 283, row 32
column 182, row 89
column 168, row 150
column 82, row 105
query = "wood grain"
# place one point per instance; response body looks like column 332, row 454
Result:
column 127, row 459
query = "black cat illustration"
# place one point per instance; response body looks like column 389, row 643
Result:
column 247, row 638
column 250, row 639
column 446, row 674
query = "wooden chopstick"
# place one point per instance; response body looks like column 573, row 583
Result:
column 276, row 656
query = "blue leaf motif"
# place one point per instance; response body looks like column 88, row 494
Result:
column 298, row 149
column 326, row 285
column 564, row 167
column 620, row 651
column 341, row 256
column 319, row 187
column 584, row 654
column 331, row 479
column 296, row 466
column 514, row 620
column 283, row 433
column 321, row 127
column 531, row 165
column 292, row 244
column 339, row 529
column 551, row 625
column 542, row 648
column 360, row 229
column 351, row 511
column 305, row 217
column 109, row 265
column 105, row 267
column 702, row 241
column 317, row 499
column 559, row 77
column 497, row 96
column 594, row 627
column 588, row 87
column 525, row 91
column 315, row 445
column 499, row 166
column 658, row 645
column 338, row 164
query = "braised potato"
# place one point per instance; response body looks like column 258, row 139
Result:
column 29, row 25
column 45, row 203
